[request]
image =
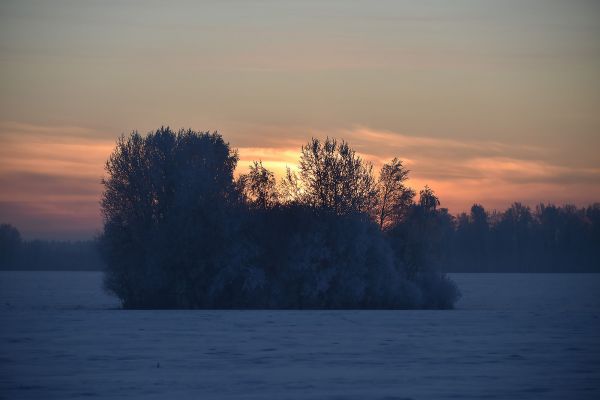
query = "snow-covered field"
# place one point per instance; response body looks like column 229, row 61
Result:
column 512, row 336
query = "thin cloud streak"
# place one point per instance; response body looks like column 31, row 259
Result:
column 50, row 177
column 492, row 173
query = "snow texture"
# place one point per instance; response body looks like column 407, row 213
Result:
column 512, row 336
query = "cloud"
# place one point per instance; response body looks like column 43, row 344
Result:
column 50, row 178
column 532, row 171
column 25, row 186
column 53, row 219
column 463, row 172
column 50, row 175
column 274, row 159
column 492, row 173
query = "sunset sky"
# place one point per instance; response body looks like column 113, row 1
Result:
column 486, row 101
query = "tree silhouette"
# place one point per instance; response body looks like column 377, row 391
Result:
column 179, row 231
column 332, row 177
column 259, row 186
column 169, row 209
column 394, row 198
column 428, row 200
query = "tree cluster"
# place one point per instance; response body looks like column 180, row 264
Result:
column 180, row 231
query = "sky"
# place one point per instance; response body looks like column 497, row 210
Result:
column 487, row 102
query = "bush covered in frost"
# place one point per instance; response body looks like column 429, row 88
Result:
column 181, row 232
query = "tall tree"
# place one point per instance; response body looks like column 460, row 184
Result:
column 332, row 177
column 428, row 200
column 167, row 205
column 259, row 186
column 394, row 198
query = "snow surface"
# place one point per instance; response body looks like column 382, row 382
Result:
column 513, row 336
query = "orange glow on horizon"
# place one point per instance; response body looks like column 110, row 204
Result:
column 59, row 180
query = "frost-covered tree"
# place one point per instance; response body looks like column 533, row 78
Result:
column 419, row 240
column 180, row 232
column 169, row 206
column 332, row 177
column 317, row 259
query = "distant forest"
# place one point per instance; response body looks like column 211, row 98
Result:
column 19, row 254
column 548, row 238
column 519, row 239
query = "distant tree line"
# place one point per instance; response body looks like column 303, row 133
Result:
column 19, row 254
column 546, row 239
